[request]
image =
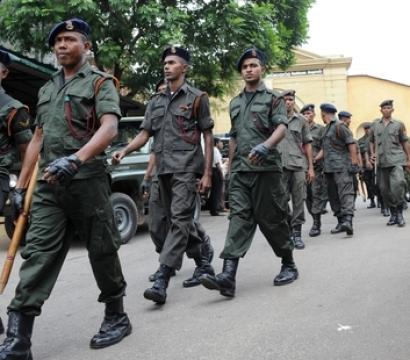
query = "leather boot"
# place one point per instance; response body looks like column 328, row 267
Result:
column 17, row 344
column 399, row 217
column 158, row 292
column 385, row 212
column 207, row 249
column 315, row 230
column 115, row 326
column 297, row 237
column 202, row 267
column 347, row 224
column 225, row 281
column 338, row 228
column 372, row 204
column 393, row 217
column 154, row 275
column 1, row 327
column 288, row 272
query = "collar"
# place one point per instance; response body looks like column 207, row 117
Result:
column 260, row 88
column 83, row 71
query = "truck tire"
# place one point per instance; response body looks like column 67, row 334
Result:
column 125, row 215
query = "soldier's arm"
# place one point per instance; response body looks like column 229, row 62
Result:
column 205, row 183
column 30, row 159
column 353, row 153
column 310, row 176
column 20, row 130
column 277, row 136
column 151, row 165
column 231, row 152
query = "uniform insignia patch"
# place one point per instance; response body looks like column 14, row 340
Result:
column 69, row 25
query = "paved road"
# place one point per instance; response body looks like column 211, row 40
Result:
column 352, row 301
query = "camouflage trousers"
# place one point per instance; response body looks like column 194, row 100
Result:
column 341, row 193
column 257, row 199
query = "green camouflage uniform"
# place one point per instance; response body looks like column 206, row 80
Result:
column 256, row 192
column 80, row 209
column 295, row 165
column 391, row 159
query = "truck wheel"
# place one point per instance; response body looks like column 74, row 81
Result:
column 9, row 226
column 125, row 215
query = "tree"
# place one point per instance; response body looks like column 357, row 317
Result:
column 129, row 35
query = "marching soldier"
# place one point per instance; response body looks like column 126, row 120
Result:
column 368, row 169
column 256, row 192
column 176, row 118
column 316, row 196
column 340, row 163
column 15, row 134
column 75, row 123
column 297, row 162
column 391, row 150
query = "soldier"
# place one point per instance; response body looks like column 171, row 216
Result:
column 390, row 148
column 176, row 118
column 368, row 175
column 256, row 192
column 346, row 118
column 72, row 192
column 340, row 163
column 159, row 225
column 15, row 134
column 297, row 162
column 316, row 196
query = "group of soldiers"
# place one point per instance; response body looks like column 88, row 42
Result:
column 275, row 155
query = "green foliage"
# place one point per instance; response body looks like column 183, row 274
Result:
column 129, row 36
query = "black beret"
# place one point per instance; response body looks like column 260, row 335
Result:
column 178, row 51
column 288, row 93
column 159, row 83
column 307, row 107
column 328, row 108
column 344, row 114
column 74, row 24
column 386, row 103
column 251, row 53
column 5, row 58
column 367, row 125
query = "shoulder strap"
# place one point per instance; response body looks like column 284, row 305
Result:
column 100, row 81
column 10, row 117
column 196, row 105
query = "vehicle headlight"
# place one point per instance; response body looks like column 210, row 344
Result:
column 13, row 181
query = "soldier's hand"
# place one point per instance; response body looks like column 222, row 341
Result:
column 373, row 158
column 258, row 154
column 62, row 170
column 145, row 187
column 117, row 157
column 310, row 175
column 205, row 184
column 17, row 196
column 353, row 169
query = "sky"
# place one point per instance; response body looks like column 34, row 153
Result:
column 375, row 33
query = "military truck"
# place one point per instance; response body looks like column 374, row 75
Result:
column 129, row 205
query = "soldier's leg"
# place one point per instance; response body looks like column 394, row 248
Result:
column 92, row 215
column 298, row 191
column 318, row 202
column 240, row 233
column 270, row 211
column 398, row 189
column 345, row 188
column 334, row 201
column 44, row 253
column 178, row 196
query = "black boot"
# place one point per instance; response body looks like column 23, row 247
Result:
column 207, row 249
column 385, row 212
column 338, row 228
column 393, row 217
column 297, row 237
column 315, row 230
column 158, row 292
column 154, row 275
column 399, row 217
column 202, row 267
column 17, row 344
column 288, row 272
column 1, row 327
column 115, row 326
column 225, row 281
column 372, row 204
column 347, row 224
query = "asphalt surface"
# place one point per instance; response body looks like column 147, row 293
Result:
column 351, row 301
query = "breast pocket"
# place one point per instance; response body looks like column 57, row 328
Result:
column 187, row 126
column 260, row 118
column 394, row 136
column 78, row 107
column 157, row 116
